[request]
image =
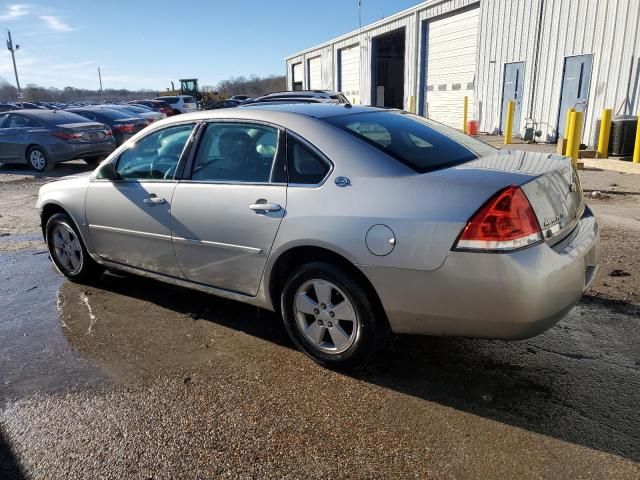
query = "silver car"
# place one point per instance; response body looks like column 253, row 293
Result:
column 351, row 222
column 42, row 138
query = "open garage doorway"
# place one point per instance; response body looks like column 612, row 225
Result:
column 388, row 69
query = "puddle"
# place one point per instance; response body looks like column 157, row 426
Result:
column 34, row 353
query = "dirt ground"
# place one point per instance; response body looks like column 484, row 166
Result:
column 131, row 378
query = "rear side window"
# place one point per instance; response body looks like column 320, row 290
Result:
column 170, row 100
column 18, row 121
column 305, row 167
column 188, row 100
column 419, row 143
column 236, row 152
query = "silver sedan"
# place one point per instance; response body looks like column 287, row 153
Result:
column 351, row 222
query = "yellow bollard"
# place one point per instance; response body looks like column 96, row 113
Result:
column 575, row 135
column 636, row 148
column 567, row 124
column 605, row 130
column 412, row 104
column 465, row 112
column 511, row 108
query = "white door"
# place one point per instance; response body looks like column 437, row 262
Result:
column 315, row 73
column 349, row 73
column 451, row 65
column 298, row 77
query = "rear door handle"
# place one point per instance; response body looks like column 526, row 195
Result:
column 263, row 206
column 153, row 199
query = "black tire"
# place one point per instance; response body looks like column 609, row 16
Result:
column 94, row 161
column 88, row 269
column 372, row 326
column 38, row 159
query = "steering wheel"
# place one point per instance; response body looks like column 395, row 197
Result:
column 157, row 166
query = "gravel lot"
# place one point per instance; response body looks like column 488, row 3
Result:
column 130, row 378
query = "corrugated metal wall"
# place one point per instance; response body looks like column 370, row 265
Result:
column 411, row 20
column 607, row 29
column 509, row 32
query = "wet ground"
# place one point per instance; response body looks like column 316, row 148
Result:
column 131, row 378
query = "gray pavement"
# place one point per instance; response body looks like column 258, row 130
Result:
column 131, row 378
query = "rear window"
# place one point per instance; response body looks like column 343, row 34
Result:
column 188, row 100
column 110, row 114
column 421, row 144
column 60, row 118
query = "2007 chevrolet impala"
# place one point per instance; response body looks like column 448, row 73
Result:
column 351, row 221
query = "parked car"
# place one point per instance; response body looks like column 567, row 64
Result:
column 351, row 222
column 7, row 107
column 302, row 96
column 223, row 104
column 30, row 106
column 149, row 115
column 42, row 138
column 155, row 105
column 180, row 103
column 122, row 126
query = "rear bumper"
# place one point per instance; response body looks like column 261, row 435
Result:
column 63, row 151
column 510, row 296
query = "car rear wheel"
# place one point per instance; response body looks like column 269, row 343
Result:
column 38, row 160
column 67, row 251
column 330, row 316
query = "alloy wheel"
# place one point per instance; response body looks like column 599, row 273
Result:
column 325, row 316
column 37, row 159
column 66, row 248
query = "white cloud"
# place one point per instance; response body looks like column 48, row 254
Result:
column 14, row 11
column 54, row 23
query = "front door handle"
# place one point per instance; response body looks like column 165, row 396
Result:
column 153, row 199
column 262, row 206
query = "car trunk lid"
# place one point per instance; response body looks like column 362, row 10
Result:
column 549, row 181
column 83, row 131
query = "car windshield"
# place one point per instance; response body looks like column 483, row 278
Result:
column 421, row 144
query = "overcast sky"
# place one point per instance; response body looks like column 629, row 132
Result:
column 146, row 44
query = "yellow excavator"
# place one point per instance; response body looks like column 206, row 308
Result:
column 189, row 86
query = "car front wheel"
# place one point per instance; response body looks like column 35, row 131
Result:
column 330, row 316
column 67, row 251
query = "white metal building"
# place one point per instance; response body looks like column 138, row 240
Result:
column 548, row 55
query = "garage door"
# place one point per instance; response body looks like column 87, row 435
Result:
column 298, row 77
column 450, row 67
column 349, row 83
column 315, row 73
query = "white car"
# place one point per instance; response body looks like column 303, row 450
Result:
column 181, row 103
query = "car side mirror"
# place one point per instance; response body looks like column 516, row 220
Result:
column 107, row 172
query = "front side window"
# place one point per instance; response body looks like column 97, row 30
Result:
column 305, row 167
column 156, row 156
column 236, row 152
column 419, row 143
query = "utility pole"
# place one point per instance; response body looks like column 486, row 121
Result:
column 101, row 92
column 12, row 49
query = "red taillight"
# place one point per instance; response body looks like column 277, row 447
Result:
column 67, row 135
column 125, row 128
column 505, row 222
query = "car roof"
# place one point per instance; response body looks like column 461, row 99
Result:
column 316, row 110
